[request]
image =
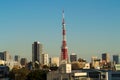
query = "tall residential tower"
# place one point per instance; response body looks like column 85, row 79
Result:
column 64, row 49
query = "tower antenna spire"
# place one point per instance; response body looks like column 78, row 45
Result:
column 63, row 21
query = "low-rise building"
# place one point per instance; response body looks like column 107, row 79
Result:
column 64, row 72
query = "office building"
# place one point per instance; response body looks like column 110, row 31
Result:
column 45, row 59
column 23, row 62
column 95, row 62
column 37, row 51
column 116, row 59
column 54, row 61
column 5, row 56
column 105, row 58
column 17, row 58
column 73, row 57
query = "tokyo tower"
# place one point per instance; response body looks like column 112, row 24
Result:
column 64, row 48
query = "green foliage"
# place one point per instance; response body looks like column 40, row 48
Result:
column 81, row 60
column 37, row 75
column 54, row 68
column 19, row 74
column 37, row 65
column 45, row 67
column 25, row 74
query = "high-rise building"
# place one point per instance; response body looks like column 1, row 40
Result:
column 64, row 49
column 105, row 58
column 73, row 57
column 116, row 59
column 45, row 59
column 37, row 50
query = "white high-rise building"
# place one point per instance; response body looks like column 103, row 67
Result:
column 45, row 59
column 37, row 51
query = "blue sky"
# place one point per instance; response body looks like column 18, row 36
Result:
column 93, row 26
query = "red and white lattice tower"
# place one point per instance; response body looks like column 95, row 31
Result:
column 64, row 49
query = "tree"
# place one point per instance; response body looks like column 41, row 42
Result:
column 77, row 65
column 81, row 60
column 45, row 67
column 18, row 74
column 37, row 75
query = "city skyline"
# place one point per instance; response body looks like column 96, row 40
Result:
column 92, row 27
